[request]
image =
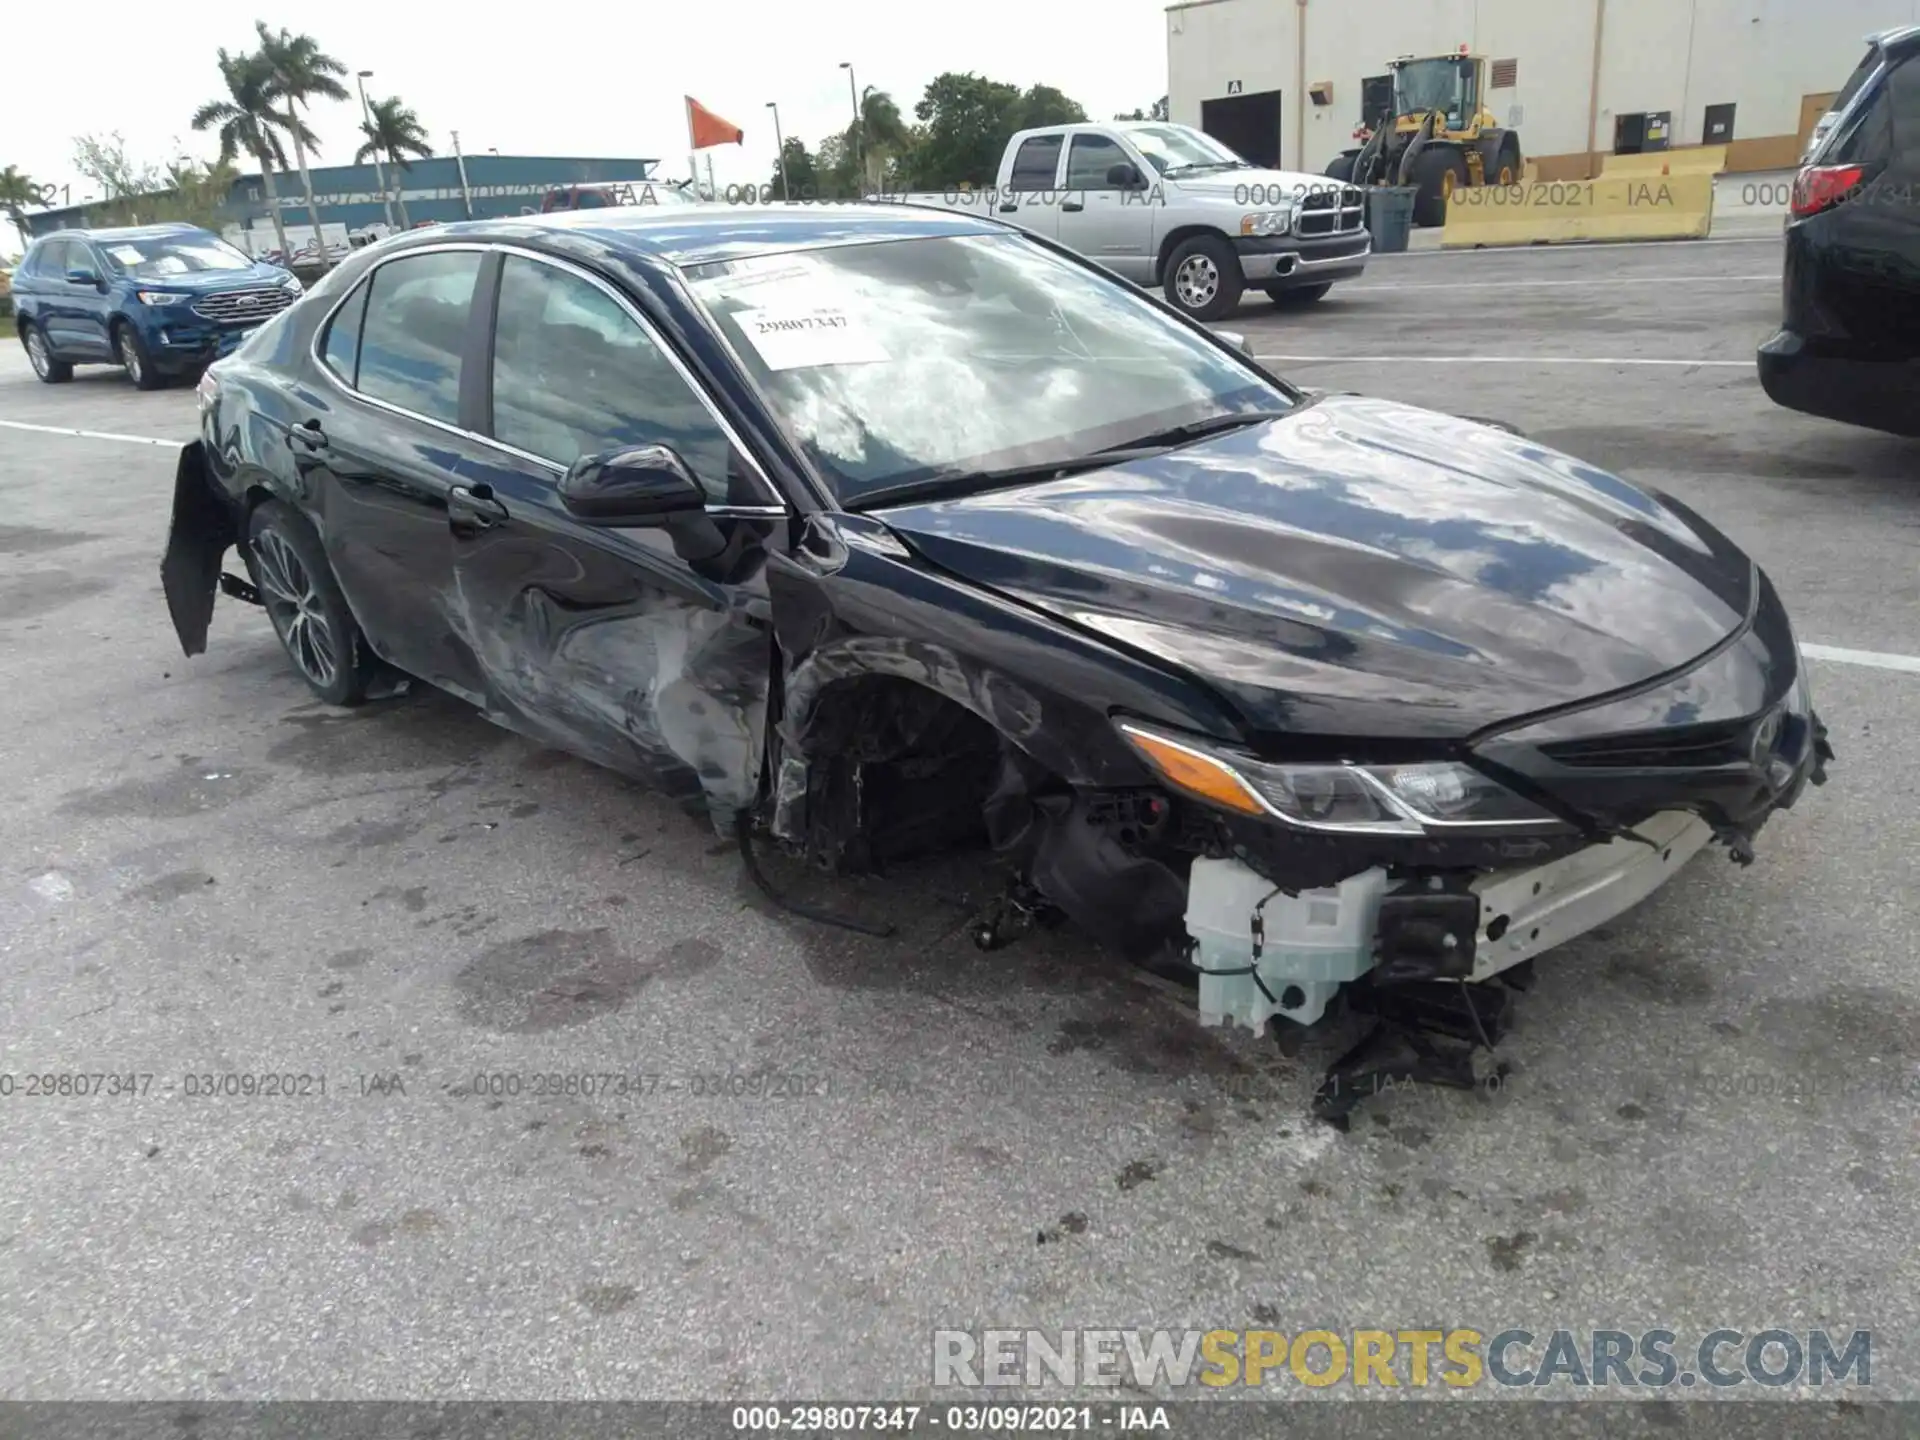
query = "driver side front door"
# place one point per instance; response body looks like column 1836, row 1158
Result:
column 605, row 641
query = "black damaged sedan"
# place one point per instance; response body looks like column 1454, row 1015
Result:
column 878, row 532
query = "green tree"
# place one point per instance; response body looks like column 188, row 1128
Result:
column 17, row 192
column 1044, row 105
column 247, row 119
column 881, row 139
column 1156, row 111
column 802, row 175
column 303, row 73
column 965, row 123
column 393, row 133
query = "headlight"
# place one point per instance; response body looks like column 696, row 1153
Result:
column 1267, row 222
column 292, row 282
column 1435, row 797
column 161, row 297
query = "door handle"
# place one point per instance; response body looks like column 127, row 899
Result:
column 1072, row 207
column 474, row 505
column 309, row 434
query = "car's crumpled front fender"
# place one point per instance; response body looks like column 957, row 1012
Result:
column 197, row 540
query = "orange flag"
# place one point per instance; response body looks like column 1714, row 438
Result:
column 705, row 128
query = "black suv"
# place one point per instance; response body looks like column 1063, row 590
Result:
column 1848, row 347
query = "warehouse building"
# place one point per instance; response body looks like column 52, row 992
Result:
column 441, row 189
column 1285, row 82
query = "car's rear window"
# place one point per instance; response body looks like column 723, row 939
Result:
column 1868, row 64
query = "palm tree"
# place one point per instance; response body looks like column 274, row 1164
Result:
column 247, row 121
column 303, row 72
column 881, row 137
column 16, row 193
column 393, row 133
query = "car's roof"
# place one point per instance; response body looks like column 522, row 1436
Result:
column 127, row 232
column 700, row 234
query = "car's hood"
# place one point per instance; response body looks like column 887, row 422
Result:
column 1360, row 568
column 1252, row 187
column 204, row 282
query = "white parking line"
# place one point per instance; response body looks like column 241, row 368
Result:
column 1494, row 360
column 91, row 434
column 1878, row 659
column 1616, row 282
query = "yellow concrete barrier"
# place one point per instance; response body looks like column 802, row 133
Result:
column 1653, row 207
column 1693, row 160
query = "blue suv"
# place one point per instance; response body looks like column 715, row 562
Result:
column 157, row 300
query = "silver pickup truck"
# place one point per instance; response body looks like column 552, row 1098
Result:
column 1167, row 205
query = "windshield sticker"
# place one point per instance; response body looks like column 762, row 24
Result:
column 802, row 338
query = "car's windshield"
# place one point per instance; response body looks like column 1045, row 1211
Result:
column 1179, row 147
column 939, row 358
column 157, row 255
column 1422, row 85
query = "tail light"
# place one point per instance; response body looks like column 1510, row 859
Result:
column 1821, row 187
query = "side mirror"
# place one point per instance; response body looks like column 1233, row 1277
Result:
column 81, row 275
column 1124, row 176
column 1237, row 341
column 641, row 485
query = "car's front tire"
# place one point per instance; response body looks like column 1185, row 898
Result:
column 1203, row 277
column 304, row 602
column 40, row 357
column 133, row 358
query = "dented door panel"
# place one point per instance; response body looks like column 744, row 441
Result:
column 605, row 643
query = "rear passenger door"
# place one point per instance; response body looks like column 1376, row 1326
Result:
column 601, row 640
column 381, row 456
column 1030, row 197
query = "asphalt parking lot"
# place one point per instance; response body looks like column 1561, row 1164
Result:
column 1711, row 1121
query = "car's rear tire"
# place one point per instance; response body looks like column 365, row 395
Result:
column 1298, row 294
column 1203, row 277
column 40, row 357
column 133, row 358
column 303, row 600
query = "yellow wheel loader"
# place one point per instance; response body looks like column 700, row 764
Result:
column 1438, row 137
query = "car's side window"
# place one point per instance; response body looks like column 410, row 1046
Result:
column 416, row 323
column 1034, row 163
column 1090, row 159
column 574, row 374
column 340, row 348
column 53, row 260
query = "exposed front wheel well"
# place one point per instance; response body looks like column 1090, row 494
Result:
column 889, row 769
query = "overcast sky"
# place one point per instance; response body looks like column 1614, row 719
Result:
column 568, row 80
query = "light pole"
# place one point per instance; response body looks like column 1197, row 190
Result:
column 780, row 150
column 859, row 129
column 366, row 115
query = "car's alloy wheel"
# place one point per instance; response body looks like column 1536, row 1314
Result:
column 1197, row 282
column 128, row 354
column 37, row 355
column 294, row 605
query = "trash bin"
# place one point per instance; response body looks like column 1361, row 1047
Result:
column 1390, row 216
